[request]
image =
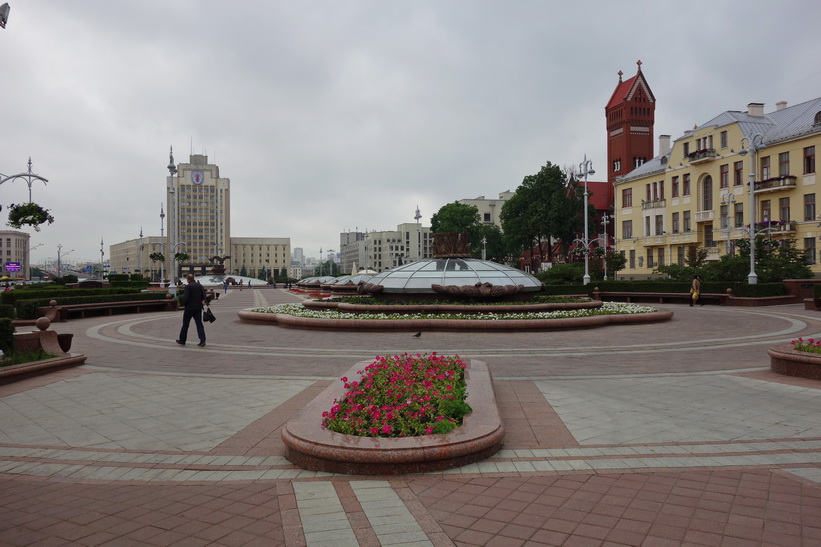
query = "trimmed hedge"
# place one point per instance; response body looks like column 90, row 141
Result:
column 739, row 289
column 6, row 336
column 7, row 310
column 139, row 285
column 27, row 309
column 57, row 291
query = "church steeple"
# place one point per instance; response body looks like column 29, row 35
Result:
column 630, row 115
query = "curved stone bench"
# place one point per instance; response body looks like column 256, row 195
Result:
column 313, row 447
column 456, row 324
column 789, row 362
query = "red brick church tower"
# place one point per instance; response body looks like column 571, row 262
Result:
column 630, row 117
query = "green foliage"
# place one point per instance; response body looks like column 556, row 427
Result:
column 157, row 257
column 454, row 217
column 540, row 210
column 739, row 288
column 19, row 358
column 816, row 290
column 118, row 277
column 6, row 335
column 570, row 273
column 27, row 309
column 181, row 257
column 7, row 310
column 67, row 279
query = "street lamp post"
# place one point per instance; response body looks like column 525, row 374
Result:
column 172, row 219
column 418, row 235
column 61, row 254
column 605, row 220
column 29, row 177
column 101, row 258
column 753, row 144
column 162, row 227
column 27, row 273
column 586, row 168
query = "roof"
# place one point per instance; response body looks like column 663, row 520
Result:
column 625, row 89
column 780, row 125
column 598, row 195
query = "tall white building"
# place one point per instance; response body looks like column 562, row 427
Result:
column 408, row 243
column 199, row 207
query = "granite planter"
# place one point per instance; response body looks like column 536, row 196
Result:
column 313, row 447
column 785, row 360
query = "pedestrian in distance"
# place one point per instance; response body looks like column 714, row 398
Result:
column 193, row 299
column 225, row 287
column 695, row 290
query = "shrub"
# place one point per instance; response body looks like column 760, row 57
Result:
column 570, row 273
column 6, row 336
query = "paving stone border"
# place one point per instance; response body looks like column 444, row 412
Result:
column 16, row 372
column 313, row 447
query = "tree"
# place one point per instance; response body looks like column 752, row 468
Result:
column 157, row 257
column 494, row 243
column 455, row 217
column 545, row 207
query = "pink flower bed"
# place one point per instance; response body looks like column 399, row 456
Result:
column 402, row 396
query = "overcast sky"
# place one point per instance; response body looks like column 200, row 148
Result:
column 336, row 115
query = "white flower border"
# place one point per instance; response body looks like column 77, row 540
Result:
column 607, row 308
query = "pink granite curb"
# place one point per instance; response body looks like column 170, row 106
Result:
column 789, row 362
column 69, row 360
column 313, row 447
column 456, row 324
column 451, row 308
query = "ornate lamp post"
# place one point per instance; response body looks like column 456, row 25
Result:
column 585, row 169
column 418, row 234
column 29, row 177
column 101, row 258
column 753, row 144
column 172, row 219
column 605, row 220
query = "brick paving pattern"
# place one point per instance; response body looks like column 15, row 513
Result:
column 662, row 434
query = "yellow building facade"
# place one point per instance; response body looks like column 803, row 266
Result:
column 697, row 190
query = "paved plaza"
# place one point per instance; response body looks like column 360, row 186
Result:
column 672, row 433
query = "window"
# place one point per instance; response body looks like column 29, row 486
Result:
column 686, row 221
column 648, row 192
column 783, row 164
column 809, row 160
column 707, row 193
column 649, row 258
column 708, row 236
column 675, row 223
column 627, row 197
column 627, row 229
column 765, row 167
column 725, row 220
column 765, row 210
column 646, row 226
column 809, row 206
column 661, row 256
column 738, row 173
column 686, row 148
column 487, row 217
column 685, row 182
column 809, row 249
column 617, row 166
column 680, row 255
column 659, row 225
column 739, row 215
column 784, row 209
column 632, row 259
column 724, row 175
column 723, row 138
column 674, row 183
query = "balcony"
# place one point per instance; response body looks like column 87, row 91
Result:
column 704, row 216
column 701, row 156
column 773, row 184
column 653, row 204
column 776, row 226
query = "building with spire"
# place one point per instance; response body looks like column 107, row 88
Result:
column 630, row 114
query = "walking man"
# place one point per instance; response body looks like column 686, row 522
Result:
column 193, row 299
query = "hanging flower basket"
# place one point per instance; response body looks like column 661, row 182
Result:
column 28, row 213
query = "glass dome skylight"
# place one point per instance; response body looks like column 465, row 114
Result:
column 417, row 277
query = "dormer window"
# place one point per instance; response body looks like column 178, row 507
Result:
column 817, row 119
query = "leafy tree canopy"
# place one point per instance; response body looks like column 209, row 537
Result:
column 455, row 217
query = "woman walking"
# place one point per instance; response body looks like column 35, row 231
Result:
column 695, row 290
